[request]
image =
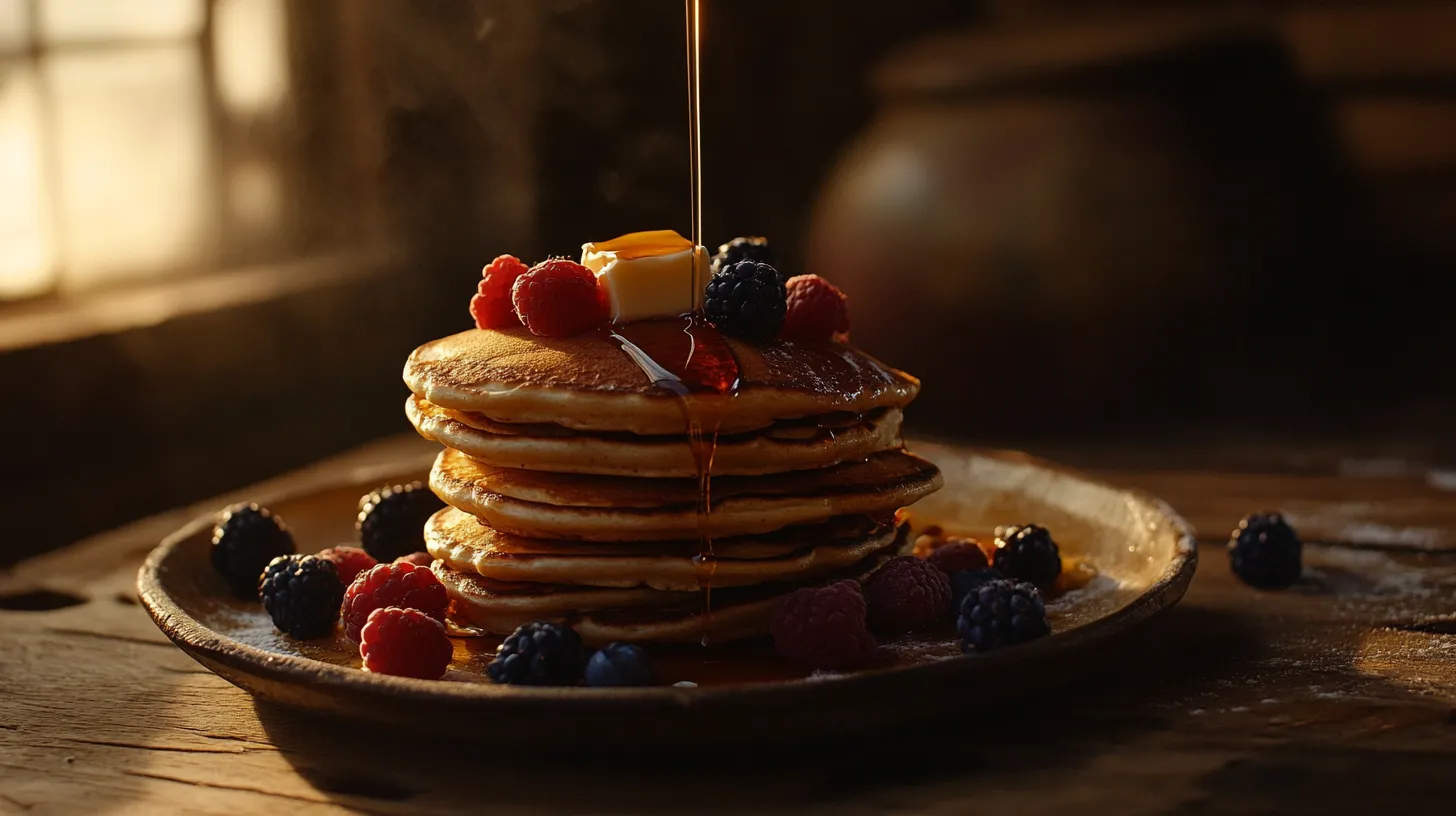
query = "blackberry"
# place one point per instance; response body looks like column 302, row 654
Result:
column 746, row 300
column 1001, row 613
column 745, row 249
column 1265, row 552
column 538, row 654
column 619, row 664
column 964, row 581
column 1027, row 553
column 302, row 594
column 392, row 520
column 245, row 539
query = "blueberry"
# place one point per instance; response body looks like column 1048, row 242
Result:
column 619, row 664
column 1265, row 552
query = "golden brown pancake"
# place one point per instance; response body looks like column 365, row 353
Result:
column 602, row 508
column 587, row 382
column 629, row 615
column 465, row 545
column 550, row 447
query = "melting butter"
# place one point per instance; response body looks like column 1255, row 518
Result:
column 649, row 274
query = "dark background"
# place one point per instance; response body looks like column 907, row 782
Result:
column 1235, row 215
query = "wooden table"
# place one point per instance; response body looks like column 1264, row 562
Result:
column 1338, row 696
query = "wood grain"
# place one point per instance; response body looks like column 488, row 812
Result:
column 1338, row 697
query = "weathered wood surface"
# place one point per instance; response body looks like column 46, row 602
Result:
column 1337, row 697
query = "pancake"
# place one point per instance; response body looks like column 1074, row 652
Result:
column 629, row 615
column 466, row 545
column 551, row 447
column 601, row 508
column 587, row 382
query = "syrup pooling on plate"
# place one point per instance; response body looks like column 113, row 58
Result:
column 689, row 358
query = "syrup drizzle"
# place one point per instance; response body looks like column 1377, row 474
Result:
column 690, row 359
column 695, row 138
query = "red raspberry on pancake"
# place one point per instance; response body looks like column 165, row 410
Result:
column 559, row 298
column 817, row 310
column 491, row 307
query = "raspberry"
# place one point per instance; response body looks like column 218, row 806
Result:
column 491, row 307
column 907, row 593
column 958, row 554
column 403, row 585
column 619, row 664
column 559, row 298
column 744, row 249
column 247, row 537
column 1028, row 553
column 817, row 311
column 405, row 643
column 302, row 594
column 1001, row 613
column 745, row 300
column 538, row 654
column 419, row 559
column 350, row 561
column 392, row 519
column 1265, row 552
column 823, row 627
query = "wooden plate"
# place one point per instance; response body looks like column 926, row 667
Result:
column 1143, row 554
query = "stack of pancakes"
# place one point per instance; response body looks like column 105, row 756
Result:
column 574, row 492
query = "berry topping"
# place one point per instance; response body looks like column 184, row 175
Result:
column 823, row 627
column 405, row 643
column 619, row 664
column 538, row 654
column 958, row 554
column 492, row 307
column 1265, row 552
column 816, row 310
column 1027, row 553
column 419, row 559
column 392, row 520
column 743, row 249
column 1001, row 613
column 559, row 298
column 245, row 539
column 963, row 582
column 907, row 593
column 404, row 585
column 302, row 595
column 746, row 300
column 349, row 561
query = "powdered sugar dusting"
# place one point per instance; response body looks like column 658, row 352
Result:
column 1101, row 587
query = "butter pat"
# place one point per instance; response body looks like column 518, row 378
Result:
column 649, row 274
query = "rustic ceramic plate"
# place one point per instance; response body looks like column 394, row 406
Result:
column 1142, row 553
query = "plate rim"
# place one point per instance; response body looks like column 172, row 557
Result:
column 209, row 646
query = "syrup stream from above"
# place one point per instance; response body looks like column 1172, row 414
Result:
column 691, row 360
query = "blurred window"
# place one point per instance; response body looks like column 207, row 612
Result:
column 114, row 165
